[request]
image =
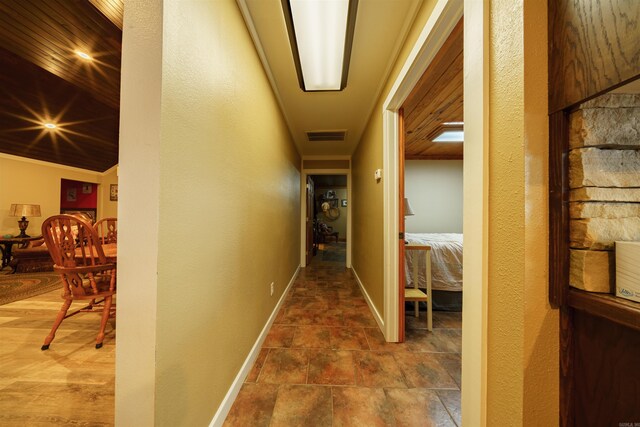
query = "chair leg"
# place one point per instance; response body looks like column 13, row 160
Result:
column 105, row 317
column 416, row 308
column 59, row 318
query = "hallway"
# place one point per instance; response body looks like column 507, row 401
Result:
column 325, row 362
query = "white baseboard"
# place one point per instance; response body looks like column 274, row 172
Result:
column 372, row 307
column 227, row 402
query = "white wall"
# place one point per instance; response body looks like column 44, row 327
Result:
column 434, row 189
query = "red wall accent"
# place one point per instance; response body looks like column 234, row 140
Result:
column 83, row 200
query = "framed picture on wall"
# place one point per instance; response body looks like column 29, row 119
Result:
column 87, row 188
column 343, row 203
column 113, row 192
column 72, row 194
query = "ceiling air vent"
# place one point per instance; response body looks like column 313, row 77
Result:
column 327, row 135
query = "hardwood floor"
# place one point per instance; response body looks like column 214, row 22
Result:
column 71, row 383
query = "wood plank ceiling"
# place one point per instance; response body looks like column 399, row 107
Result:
column 436, row 99
column 44, row 80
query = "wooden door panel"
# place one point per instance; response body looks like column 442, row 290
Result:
column 309, row 219
column 401, row 278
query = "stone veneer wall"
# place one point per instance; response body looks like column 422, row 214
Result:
column 604, row 178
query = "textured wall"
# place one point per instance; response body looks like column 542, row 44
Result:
column 522, row 328
column 228, row 207
column 367, row 207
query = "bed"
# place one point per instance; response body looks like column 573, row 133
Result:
column 446, row 260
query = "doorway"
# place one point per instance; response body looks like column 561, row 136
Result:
column 446, row 15
column 431, row 135
column 78, row 196
column 329, row 218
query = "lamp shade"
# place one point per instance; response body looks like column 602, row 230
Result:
column 408, row 211
column 24, row 210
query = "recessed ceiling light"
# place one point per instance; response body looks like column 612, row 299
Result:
column 83, row 55
column 321, row 35
column 50, row 126
column 450, row 136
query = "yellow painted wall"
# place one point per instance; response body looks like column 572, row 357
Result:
column 24, row 180
column 227, row 181
column 541, row 334
column 107, row 208
column 522, row 337
column 367, row 207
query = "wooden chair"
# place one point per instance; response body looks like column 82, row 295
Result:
column 415, row 294
column 327, row 231
column 107, row 229
column 86, row 275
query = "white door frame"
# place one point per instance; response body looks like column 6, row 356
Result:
column 443, row 19
column 303, row 205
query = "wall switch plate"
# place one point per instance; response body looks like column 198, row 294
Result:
column 378, row 174
column 272, row 288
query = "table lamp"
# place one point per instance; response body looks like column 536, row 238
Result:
column 22, row 210
column 408, row 211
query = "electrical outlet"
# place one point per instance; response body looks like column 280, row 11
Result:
column 271, row 288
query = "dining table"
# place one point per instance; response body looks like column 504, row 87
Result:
column 110, row 252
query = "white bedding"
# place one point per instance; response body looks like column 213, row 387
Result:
column 446, row 260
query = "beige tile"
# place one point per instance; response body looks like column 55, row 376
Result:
column 377, row 369
column 285, row 366
column 452, row 362
column 279, row 336
column 418, row 407
column 361, row 406
column 451, row 400
column 257, row 366
column 349, row 338
column 308, row 303
column 439, row 341
column 331, row 367
column 378, row 343
column 253, row 406
column 302, row 405
column 312, row 337
column 359, row 317
column 331, row 317
column 423, row 370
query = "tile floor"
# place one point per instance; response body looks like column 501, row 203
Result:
column 326, row 363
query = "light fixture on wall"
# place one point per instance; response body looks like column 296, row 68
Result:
column 449, row 132
column 408, row 210
column 23, row 210
column 321, row 36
